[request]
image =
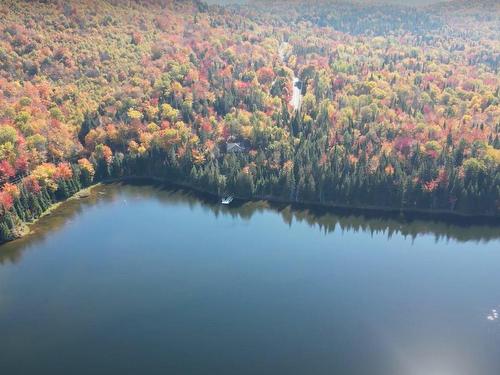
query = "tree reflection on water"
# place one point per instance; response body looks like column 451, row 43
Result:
column 325, row 220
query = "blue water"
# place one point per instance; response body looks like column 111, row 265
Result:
column 144, row 280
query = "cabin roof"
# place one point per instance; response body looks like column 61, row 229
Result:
column 234, row 147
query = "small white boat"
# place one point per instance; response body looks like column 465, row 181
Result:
column 227, row 200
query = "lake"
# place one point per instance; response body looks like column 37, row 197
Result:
column 151, row 280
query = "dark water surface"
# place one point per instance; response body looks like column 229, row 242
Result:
column 143, row 280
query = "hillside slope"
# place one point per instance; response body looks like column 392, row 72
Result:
column 400, row 107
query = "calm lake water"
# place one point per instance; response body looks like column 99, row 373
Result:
column 145, row 280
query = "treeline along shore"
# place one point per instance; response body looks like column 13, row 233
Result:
column 33, row 196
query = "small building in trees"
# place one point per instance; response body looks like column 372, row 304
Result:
column 234, row 148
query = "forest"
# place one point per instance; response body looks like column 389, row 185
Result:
column 399, row 109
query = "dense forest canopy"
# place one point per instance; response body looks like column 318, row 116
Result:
column 400, row 105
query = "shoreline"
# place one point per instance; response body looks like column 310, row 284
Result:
column 25, row 228
column 369, row 211
column 448, row 217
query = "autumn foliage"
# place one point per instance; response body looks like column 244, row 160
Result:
column 400, row 106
